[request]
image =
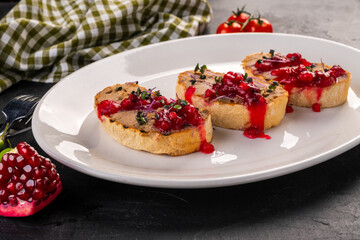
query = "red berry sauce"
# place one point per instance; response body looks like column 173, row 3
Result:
column 302, row 77
column 234, row 86
column 107, row 108
column 189, row 94
column 277, row 61
column 289, row 109
column 178, row 115
column 135, row 101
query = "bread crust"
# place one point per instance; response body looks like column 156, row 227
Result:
column 235, row 115
column 177, row 143
column 331, row 96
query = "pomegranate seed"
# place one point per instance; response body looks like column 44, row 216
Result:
column 3, row 195
column 47, row 163
column 15, row 178
column 30, row 184
column 39, row 183
column 22, row 194
column 39, row 172
column 1, row 166
column 27, row 169
column 11, row 187
column 12, row 200
column 22, row 178
column 58, row 177
column 20, row 161
column 38, row 194
column 52, row 186
column 3, row 180
column 26, row 150
column 52, row 174
column 19, row 186
column 11, row 159
column 46, row 183
column 10, row 171
column 5, row 158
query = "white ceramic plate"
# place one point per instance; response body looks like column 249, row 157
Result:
column 65, row 125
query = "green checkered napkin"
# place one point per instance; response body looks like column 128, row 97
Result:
column 45, row 40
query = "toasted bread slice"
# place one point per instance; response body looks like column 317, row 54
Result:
column 227, row 112
column 125, row 127
column 304, row 96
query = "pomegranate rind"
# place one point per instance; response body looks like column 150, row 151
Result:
column 25, row 208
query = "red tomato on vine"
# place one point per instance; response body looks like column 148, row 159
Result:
column 258, row 25
column 229, row 27
column 240, row 15
column 243, row 21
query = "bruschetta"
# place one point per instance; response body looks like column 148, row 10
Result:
column 314, row 85
column 234, row 100
column 142, row 119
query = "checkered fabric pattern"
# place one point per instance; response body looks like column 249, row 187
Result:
column 45, row 40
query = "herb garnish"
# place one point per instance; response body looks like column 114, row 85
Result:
column 183, row 102
column 201, row 69
column 218, row 79
column 272, row 51
column 178, row 107
column 273, row 85
column 140, row 118
column 247, row 78
column 259, row 61
column 310, row 68
column 193, row 82
column 118, row 89
column 157, row 93
column 144, row 95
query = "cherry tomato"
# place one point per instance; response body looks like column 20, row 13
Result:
column 240, row 15
column 229, row 27
column 258, row 25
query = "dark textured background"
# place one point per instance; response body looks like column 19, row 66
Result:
column 322, row 202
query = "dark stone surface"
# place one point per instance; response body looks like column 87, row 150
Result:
column 322, row 202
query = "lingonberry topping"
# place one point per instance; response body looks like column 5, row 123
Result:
column 25, row 176
column 107, row 108
column 137, row 100
column 278, row 61
column 240, row 88
column 300, row 76
column 176, row 115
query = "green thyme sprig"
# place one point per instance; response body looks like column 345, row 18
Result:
column 247, row 78
column 272, row 86
column 201, row 70
column 272, row 51
column 218, row 79
column 141, row 118
column 310, row 68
